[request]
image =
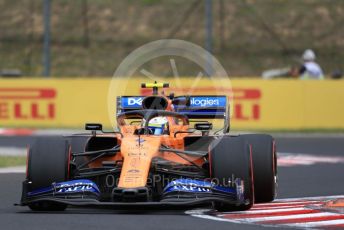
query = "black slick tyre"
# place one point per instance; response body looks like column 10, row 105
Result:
column 48, row 162
column 231, row 157
column 264, row 166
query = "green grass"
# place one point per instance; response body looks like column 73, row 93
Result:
column 8, row 161
column 257, row 35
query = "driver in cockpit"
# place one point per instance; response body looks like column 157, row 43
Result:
column 158, row 125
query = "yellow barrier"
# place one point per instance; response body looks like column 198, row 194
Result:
column 258, row 104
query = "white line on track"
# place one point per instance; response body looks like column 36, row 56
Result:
column 12, row 151
column 278, row 204
column 283, row 206
column 324, row 223
column 15, row 169
column 278, row 210
column 201, row 214
column 302, row 199
column 298, row 216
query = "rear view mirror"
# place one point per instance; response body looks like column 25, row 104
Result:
column 94, row 126
column 204, row 127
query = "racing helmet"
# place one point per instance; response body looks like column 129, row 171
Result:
column 158, row 125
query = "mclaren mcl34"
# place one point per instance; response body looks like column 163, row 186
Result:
column 164, row 153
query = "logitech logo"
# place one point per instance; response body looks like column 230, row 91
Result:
column 205, row 102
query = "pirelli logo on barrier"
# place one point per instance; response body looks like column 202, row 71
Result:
column 246, row 106
column 27, row 103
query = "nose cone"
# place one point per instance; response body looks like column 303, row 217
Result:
column 137, row 153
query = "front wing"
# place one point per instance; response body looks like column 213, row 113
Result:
column 177, row 194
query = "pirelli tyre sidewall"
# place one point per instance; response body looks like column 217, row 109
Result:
column 264, row 166
column 231, row 157
column 48, row 163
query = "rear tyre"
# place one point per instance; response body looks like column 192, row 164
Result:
column 231, row 157
column 48, row 162
column 264, row 166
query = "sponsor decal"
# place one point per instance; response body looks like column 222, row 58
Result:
column 199, row 101
column 27, row 104
column 131, row 102
column 73, row 186
column 140, row 140
column 185, row 185
column 133, row 171
column 189, row 188
column 189, row 185
column 246, row 104
column 208, row 101
column 132, row 179
column 134, row 162
column 137, row 154
column 76, row 188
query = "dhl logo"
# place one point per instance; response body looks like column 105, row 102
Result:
column 246, row 106
column 27, row 103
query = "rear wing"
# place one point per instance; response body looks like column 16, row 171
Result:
column 204, row 107
column 200, row 107
column 128, row 103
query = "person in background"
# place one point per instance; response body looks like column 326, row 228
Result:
column 310, row 69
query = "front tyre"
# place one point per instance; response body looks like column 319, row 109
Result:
column 264, row 166
column 48, row 162
column 231, row 157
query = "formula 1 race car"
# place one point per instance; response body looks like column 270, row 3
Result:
column 154, row 159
